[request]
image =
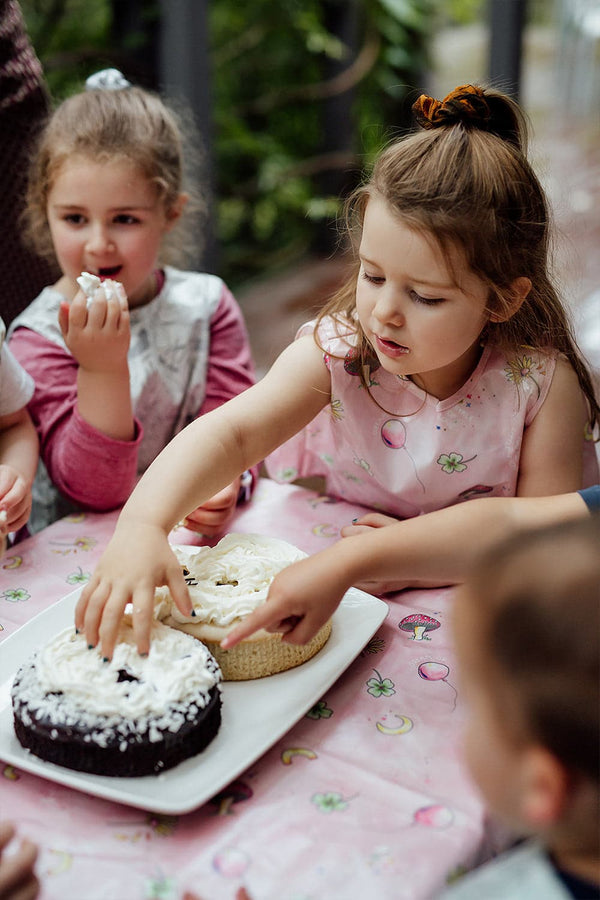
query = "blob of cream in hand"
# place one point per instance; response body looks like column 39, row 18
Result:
column 91, row 284
column 445, row 365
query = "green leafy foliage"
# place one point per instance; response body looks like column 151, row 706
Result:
column 282, row 73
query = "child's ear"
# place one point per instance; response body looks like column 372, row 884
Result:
column 519, row 288
column 545, row 789
column 174, row 211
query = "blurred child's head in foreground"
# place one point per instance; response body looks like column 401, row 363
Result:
column 527, row 626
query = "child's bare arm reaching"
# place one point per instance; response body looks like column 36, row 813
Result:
column 436, row 548
column 18, row 461
column 200, row 461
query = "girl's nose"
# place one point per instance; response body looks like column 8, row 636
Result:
column 388, row 309
column 99, row 240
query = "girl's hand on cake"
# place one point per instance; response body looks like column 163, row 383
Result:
column 138, row 559
column 18, row 880
column 211, row 518
column 97, row 336
column 302, row 597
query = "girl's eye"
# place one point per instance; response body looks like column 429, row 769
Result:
column 373, row 279
column 426, row 301
column 73, row 218
column 126, row 219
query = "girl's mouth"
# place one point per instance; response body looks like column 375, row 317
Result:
column 390, row 348
column 109, row 272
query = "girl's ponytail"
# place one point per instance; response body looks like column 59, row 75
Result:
column 473, row 107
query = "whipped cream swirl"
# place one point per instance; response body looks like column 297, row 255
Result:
column 230, row 580
column 129, row 686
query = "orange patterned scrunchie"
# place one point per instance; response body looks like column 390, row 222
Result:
column 465, row 103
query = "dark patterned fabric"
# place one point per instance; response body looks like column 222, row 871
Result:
column 23, row 105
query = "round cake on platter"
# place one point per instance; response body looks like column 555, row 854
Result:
column 126, row 717
column 226, row 583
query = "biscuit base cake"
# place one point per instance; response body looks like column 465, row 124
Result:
column 226, row 583
column 259, row 655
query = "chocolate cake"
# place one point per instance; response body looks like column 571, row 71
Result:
column 128, row 717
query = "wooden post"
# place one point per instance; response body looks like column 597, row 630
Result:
column 507, row 19
column 341, row 18
column 184, row 73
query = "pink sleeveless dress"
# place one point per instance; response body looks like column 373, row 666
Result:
column 399, row 450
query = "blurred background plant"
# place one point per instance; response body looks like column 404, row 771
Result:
column 303, row 94
column 300, row 94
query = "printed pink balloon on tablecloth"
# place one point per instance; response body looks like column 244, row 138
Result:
column 435, row 816
column 433, row 671
column 231, row 862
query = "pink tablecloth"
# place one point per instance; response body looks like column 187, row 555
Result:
column 375, row 804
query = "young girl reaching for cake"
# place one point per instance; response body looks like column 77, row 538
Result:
column 446, row 362
column 116, row 380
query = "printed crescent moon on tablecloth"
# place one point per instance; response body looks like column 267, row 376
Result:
column 62, row 862
column 288, row 755
column 394, row 724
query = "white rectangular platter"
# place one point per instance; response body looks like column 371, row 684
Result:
column 255, row 714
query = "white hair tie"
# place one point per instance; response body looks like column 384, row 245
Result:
column 107, row 80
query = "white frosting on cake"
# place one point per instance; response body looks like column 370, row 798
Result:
column 230, row 580
column 176, row 669
column 89, row 284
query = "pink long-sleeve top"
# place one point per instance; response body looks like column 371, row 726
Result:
column 186, row 358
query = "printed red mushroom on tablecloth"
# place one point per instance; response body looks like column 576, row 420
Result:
column 419, row 624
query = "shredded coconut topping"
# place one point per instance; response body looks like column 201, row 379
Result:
column 69, row 685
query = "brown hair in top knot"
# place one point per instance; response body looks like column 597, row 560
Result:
column 470, row 187
column 465, row 103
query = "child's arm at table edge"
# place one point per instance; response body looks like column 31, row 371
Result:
column 433, row 548
column 201, row 460
column 19, row 443
column 19, row 453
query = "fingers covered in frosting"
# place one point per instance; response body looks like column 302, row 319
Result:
column 297, row 605
column 119, row 580
column 103, row 616
column 268, row 616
